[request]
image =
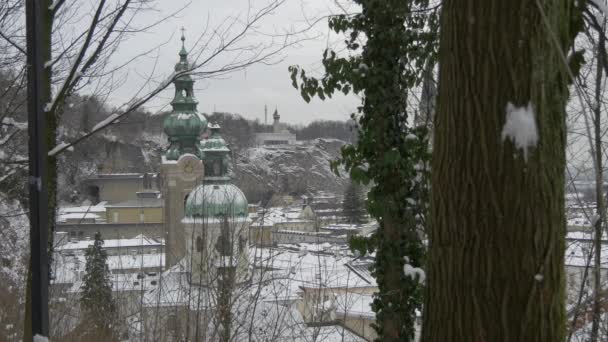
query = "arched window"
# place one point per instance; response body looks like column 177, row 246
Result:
column 242, row 244
column 224, row 242
column 185, row 200
column 216, row 168
column 199, row 244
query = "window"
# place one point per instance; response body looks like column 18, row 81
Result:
column 216, row 168
column 242, row 244
column 224, row 242
column 115, row 217
column 172, row 323
column 199, row 244
column 153, row 282
column 141, row 217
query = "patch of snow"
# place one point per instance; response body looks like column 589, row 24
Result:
column 520, row 127
column 103, row 123
column 538, row 277
column 58, row 148
column 601, row 5
column 415, row 273
column 39, row 338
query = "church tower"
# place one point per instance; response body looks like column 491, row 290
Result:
column 276, row 125
column 181, row 164
column 217, row 221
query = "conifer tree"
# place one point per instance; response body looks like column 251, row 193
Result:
column 96, row 299
column 353, row 205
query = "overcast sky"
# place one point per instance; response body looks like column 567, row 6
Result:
column 243, row 92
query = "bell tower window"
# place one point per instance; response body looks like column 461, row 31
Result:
column 199, row 244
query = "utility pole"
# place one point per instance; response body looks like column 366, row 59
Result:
column 37, row 181
column 265, row 115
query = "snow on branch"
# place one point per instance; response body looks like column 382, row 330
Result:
column 601, row 5
column 58, row 148
column 103, row 123
column 520, row 127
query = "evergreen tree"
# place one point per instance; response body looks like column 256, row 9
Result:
column 96, row 298
column 353, row 205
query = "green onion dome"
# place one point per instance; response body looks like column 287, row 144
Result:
column 216, row 201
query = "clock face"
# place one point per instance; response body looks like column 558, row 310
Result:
column 190, row 167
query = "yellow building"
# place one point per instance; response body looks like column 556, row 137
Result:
column 146, row 208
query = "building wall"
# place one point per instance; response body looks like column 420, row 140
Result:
column 301, row 226
column 275, row 139
column 118, row 190
column 175, row 188
column 134, row 215
column 362, row 326
column 304, row 237
column 260, row 236
column 111, row 231
column 202, row 242
column 574, row 277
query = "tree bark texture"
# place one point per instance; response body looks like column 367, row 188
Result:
column 599, row 193
column 51, row 122
column 496, row 260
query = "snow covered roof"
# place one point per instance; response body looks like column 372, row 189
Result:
column 142, row 202
column 272, row 216
column 77, row 216
column 311, row 270
column 69, row 269
column 97, row 208
column 138, row 241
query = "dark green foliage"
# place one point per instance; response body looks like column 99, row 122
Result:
column 96, row 298
column 391, row 42
column 353, row 205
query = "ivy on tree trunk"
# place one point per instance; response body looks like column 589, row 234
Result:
column 396, row 41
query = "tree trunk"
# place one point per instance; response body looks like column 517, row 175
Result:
column 599, row 193
column 496, row 259
column 51, row 127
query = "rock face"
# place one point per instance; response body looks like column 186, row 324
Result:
column 288, row 170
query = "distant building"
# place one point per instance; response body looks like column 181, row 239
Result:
column 279, row 136
column 118, row 187
column 297, row 219
column 121, row 220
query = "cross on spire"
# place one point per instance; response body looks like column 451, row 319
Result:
column 183, row 36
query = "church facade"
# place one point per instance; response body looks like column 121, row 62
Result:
column 205, row 216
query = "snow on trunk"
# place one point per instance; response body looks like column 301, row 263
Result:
column 520, row 127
